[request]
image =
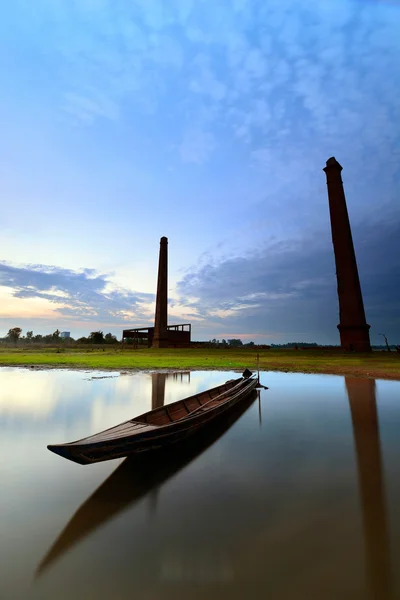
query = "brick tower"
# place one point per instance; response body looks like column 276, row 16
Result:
column 353, row 328
column 160, row 339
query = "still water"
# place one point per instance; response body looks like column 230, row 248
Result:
column 298, row 498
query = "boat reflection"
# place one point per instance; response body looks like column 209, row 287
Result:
column 196, row 569
column 136, row 478
column 362, row 400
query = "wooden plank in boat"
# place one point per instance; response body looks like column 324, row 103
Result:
column 192, row 403
column 114, row 436
column 115, row 432
column 178, row 411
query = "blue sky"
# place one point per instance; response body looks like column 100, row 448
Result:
column 209, row 123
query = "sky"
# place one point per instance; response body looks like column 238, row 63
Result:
column 209, row 122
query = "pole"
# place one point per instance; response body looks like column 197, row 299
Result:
column 258, row 367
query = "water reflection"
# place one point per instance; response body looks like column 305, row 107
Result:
column 144, row 477
column 16, row 394
column 289, row 503
column 362, row 400
column 135, row 478
column 158, row 386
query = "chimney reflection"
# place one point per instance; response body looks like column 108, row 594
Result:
column 158, row 389
column 158, row 385
column 364, row 415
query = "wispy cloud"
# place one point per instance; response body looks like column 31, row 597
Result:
column 85, row 295
column 275, row 74
column 89, row 106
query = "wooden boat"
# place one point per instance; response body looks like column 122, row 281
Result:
column 141, row 475
column 160, row 427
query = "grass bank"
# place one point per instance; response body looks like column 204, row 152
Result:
column 380, row 365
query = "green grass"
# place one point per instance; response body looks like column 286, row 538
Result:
column 376, row 364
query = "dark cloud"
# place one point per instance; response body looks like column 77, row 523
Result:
column 82, row 295
column 285, row 290
column 289, row 288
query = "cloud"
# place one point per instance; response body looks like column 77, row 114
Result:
column 268, row 91
column 291, row 285
column 274, row 74
column 90, row 106
column 204, row 81
column 85, row 295
column 285, row 290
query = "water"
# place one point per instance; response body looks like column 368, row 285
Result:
column 297, row 499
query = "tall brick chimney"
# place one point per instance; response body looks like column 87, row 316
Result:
column 160, row 339
column 353, row 328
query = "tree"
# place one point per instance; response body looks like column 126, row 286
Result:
column 109, row 338
column 56, row 334
column 14, row 334
column 235, row 343
column 96, row 337
column 387, row 345
column 29, row 335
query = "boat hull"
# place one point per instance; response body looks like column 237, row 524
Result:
column 153, row 439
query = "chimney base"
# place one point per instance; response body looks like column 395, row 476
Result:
column 355, row 338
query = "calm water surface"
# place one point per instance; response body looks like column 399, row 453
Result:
column 298, row 498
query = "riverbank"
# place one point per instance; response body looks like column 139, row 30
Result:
column 377, row 365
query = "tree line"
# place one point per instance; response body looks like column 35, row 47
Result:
column 14, row 336
column 233, row 343
column 236, row 343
